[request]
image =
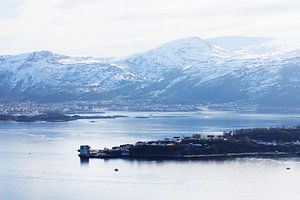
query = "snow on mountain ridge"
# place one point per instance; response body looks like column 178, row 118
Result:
column 181, row 52
column 189, row 70
column 234, row 43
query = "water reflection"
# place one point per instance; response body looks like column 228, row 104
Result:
column 53, row 168
column 84, row 161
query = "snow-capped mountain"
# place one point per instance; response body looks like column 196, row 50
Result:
column 180, row 54
column 187, row 71
column 237, row 43
column 43, row 76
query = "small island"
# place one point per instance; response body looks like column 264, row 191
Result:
column 54, row 117
column 252, row 142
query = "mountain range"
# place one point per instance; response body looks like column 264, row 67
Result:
column 231, row 69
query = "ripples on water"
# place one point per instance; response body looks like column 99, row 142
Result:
column 39, row 160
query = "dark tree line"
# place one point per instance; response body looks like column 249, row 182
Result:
column 269, row 134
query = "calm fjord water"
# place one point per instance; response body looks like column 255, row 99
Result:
column 39, row 160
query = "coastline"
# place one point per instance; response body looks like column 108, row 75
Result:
column 54, row 117
column 255, row 142
column 224, row 156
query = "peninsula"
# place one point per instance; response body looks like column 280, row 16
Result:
column 254, row 142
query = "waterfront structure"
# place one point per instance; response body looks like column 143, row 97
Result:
column 84, row 150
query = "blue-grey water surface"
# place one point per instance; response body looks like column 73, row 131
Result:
column 39, row 160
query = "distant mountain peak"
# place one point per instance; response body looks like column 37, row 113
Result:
column 188, row 43
column 235, row 42
column 181, row 52
column 41, row 55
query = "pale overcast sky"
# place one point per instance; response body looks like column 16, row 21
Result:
column 122, row 27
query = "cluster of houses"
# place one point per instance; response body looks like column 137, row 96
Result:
column 196, row 141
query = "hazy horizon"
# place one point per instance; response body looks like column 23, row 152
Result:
column 235, row 39
column 120, row 28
